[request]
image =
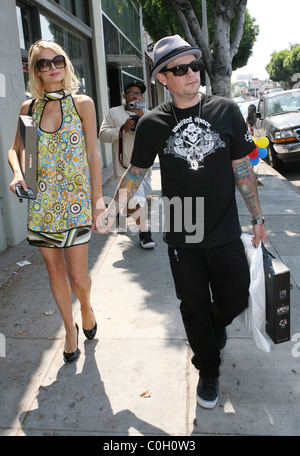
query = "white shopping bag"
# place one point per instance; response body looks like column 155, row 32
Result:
column 254, row 317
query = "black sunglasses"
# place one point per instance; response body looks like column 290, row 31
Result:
column 181, row 70
column 45, row 64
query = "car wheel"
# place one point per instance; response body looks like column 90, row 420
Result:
column 274, row 161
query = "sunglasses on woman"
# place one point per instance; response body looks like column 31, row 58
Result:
column 45, row 64
column 181, row 70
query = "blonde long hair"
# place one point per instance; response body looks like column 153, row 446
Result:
column 35, row 85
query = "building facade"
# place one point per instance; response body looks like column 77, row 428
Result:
column 105, row 42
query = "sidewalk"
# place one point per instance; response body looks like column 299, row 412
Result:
column 141, row 345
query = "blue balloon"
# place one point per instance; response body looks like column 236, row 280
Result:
column 254, row 161
column 262, row 152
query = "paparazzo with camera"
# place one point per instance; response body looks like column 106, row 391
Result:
column 132, row 96
column 118, row 128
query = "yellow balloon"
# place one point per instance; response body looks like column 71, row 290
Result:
column 254, row 139
column 262, row 142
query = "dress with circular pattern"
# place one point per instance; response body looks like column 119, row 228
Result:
column 63, row 195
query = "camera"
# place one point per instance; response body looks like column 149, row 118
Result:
column 21, row 193
column 134, row 105
column 135, row 118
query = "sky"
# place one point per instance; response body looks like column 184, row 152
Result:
column 279, row 26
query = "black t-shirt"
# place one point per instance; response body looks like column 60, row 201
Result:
column 195, row 153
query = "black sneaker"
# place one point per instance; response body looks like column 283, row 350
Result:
column 207, row 392
column 146, row 241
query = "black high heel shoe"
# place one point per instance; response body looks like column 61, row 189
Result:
column 90, row 333
column 70, row 357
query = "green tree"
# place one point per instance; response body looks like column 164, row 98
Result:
column 284, row 65
column 292, row 63
column 231, row 33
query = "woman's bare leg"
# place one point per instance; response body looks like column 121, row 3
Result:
column 56, row 266
column 77, row 270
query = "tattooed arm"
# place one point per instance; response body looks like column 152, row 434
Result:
column 246, row 183
column 127, row 187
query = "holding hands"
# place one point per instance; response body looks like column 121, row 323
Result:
column 104, row 220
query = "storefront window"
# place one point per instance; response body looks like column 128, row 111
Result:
column 77, row 8
column 111, row 34
column 125, row 16
column 21, row 31
column 23, row 45
column 122, row 37
column 76, row 48
column 117, row 45
column 128, row 49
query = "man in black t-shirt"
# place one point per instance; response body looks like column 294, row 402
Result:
column 202, row 143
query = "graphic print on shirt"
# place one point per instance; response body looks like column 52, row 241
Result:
column 193, row 141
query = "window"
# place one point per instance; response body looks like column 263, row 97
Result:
column 76, row 48
column 122, row 38
column 261, row 109
column 29, row 32
column 29, row 28
column 33, row 26
column 77, row 8
column 21, row 29
column 125, row 16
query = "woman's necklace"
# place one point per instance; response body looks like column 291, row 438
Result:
column 56, row 95
column 190, row 139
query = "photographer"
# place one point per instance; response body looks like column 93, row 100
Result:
column 118, row 128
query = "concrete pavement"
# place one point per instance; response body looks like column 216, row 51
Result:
column 136, row 377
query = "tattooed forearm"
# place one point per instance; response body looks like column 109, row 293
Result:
column 246, row 183
column 132, row 179
column 127, row 187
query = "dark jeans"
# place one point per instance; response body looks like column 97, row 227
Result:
column 212, row 285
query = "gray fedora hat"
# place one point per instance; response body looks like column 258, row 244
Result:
column 170, row 48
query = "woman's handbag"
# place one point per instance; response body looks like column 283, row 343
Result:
column 28, row 132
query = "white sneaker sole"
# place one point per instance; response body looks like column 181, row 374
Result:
column 151, row 245
column 207, row 404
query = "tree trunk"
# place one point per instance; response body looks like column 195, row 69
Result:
column 221, row 66
column 217, row 58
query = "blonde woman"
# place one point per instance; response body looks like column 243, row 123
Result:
column 69, row 189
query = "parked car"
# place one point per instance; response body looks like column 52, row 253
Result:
column 278, row 89
column 278, row 118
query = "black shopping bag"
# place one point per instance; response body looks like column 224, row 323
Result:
column 277, row 283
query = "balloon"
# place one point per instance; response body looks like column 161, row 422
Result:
column 254, row 161
column 262, row 152
column 262, row 142
column 254, row 140
column 253, row 154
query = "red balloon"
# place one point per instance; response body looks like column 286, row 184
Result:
column 253, row 154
